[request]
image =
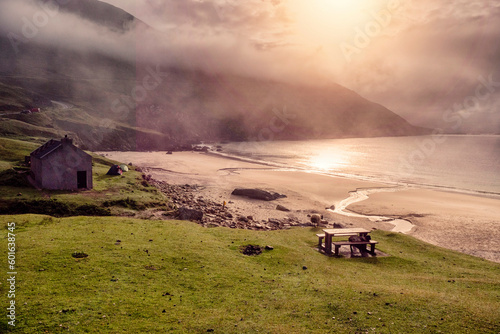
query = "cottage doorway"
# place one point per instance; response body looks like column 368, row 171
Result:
column 81, row 177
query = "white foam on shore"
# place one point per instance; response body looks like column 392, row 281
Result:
column 400, row 225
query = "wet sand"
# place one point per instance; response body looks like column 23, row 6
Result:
column 462, row 222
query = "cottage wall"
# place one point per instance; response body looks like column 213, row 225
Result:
column 59, row 169
column 36, row 170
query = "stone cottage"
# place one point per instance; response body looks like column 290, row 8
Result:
column 60, row 165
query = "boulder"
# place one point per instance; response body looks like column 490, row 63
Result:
column 323, row 223
column 190, row 214
column 315, row 218
column 274, row 221
column 257, row 194
column 282, row 208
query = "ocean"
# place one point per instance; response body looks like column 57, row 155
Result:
column 463, row 163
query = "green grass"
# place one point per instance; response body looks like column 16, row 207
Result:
column 14, row 151
column 177, row 277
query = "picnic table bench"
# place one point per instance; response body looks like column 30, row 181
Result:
column 341, row 232
column 337, row 245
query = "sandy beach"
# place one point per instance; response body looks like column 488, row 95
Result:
column 462, row 222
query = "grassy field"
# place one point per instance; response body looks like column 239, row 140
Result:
column 177, row 277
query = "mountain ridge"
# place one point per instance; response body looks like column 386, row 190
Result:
column 181, row 105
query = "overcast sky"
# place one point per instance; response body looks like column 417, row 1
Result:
column 426, row 60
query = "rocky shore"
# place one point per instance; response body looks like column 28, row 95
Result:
column 188, row 204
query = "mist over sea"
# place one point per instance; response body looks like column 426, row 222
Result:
column 454, row 162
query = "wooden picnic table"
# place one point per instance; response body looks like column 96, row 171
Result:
column 341, row 232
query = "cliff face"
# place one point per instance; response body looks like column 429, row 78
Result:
column 156, row 105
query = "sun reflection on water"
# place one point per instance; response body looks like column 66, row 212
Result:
column 328, row 161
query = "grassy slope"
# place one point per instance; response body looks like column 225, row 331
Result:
column 79, row 121
column 13, row 98
column 177, row 277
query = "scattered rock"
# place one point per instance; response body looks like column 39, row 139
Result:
column 304, row 268
column 187, row 204
column 169, row 152
column 201, row 148
column 274, row 221
column 280, row 207
column 269, row 247
column 257, row 194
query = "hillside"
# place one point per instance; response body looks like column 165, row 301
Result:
column 143, row 276
column 180, row 104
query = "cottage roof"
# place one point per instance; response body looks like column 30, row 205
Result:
column 46, row 149
column 52, row 145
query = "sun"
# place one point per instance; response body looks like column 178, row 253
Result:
column 324, row 21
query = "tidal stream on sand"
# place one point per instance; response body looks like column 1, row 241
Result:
column 400, row 225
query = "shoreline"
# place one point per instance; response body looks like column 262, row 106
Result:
column 458, row 221
column 480, row 193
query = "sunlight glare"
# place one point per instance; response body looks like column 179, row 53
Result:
column 328, row 161
column 325, row 20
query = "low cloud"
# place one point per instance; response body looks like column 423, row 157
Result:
column 430, row 57
column 29, row 21
column 435, row 61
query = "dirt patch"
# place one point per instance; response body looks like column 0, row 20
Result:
column 79, row 255
column 251, row 250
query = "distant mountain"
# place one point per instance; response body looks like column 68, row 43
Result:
column 101, row 13
column 111, row 109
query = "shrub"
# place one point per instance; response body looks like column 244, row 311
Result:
column 51, row 208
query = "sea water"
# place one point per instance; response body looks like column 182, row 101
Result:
column 461, row 163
